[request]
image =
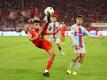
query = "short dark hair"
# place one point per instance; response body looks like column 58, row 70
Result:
column 79, row 16
column 36, row 21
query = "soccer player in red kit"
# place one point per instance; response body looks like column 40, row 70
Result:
column 36, row 35
column 63, row 29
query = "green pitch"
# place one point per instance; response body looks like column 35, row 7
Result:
column 20, row 60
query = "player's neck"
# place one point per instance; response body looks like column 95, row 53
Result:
column 78, row 25
column 54, row 21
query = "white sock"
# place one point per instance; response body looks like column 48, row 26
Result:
column 72, row 65
column 46, row 71
column 77, row 66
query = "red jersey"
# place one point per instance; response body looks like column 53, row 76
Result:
column 40, row 42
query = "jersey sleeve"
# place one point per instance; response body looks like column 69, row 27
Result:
column 85, row 32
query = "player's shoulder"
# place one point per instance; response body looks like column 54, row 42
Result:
column 83, row 27
column 73, row 26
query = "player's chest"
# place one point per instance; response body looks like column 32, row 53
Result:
column 78, row 30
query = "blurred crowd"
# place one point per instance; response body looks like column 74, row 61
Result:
column 14, row 12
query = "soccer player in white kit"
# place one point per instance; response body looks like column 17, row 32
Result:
column 57, row 37
column 77, row 34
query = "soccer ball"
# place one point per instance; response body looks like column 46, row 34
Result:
column 49, row 10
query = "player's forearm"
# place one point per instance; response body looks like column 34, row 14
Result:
column 57, row 30
column 94, row 36
column 52, row 33
column 49, row 33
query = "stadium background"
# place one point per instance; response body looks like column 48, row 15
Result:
column 13, row 12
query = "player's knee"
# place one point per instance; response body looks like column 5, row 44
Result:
column 53, row 54
column 82, row 55
column 73, row 60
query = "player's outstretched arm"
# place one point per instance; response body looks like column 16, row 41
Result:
column 97, row 36
column 88, row 34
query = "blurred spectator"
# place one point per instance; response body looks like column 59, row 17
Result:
column 11, row 11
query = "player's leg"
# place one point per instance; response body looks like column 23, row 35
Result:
column 58, row 42
column 60, row 49
column 73, row 63
column 51, row 59
column 43, row 30
column 74, row 60
column 62, row 39
column 80, row 61
column 78, row 64
column 51, row 38
column 45, row 26
column 47, row 46
column 81, row 58
column 50, row 62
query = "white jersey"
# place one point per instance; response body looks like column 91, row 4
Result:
column 52, row 27
column 77, row 35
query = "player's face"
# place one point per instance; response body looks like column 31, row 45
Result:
column 54, row 19
column 36, row 25
column 79, row 21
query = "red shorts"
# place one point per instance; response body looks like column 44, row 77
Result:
column 44, row 44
